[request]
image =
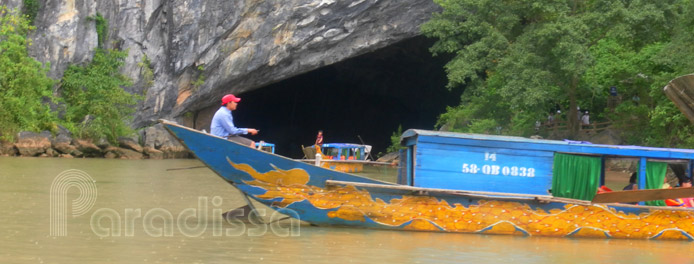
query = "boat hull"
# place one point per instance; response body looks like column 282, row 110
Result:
column 343, row 166
column 302, row 191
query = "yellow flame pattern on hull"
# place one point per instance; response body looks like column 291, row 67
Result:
column 425, row 213
column 343, row 167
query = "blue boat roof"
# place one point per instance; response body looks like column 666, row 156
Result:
column 556, row 145
column 342, row 145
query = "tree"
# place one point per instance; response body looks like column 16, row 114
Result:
column 534, row 55
column 97, row 106
column 24, row 85
column 641, row 73
column 667, row 125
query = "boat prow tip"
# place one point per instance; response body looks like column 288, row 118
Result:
column 165, row 121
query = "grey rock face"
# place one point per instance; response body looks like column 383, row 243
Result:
column 153, row 153
column 33, row 144
column 199, row 50
column 157, row 138
column 65, row 34
column 62, row 143
column 12, row 4
column 7, row 148
column 129, row 143
column 122, row 153
column 89, row 149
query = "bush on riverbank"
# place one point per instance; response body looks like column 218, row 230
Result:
column 96, row 106
column 25, row 88
column 93, row 105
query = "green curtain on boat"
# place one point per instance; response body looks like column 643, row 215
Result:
column 576, row 177
column 655, row 175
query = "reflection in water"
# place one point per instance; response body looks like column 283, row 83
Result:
column 147, row 198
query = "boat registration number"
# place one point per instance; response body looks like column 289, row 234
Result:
column 474, row 168
column 498, row 170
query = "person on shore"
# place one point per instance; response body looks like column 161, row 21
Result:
column 223, row 123
column 585, row 119
column 550, row 119
column 319, row 141
column 614, row 99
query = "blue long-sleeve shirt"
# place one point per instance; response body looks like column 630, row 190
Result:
column 223, row 124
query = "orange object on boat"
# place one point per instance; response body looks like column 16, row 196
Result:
column 604, row 189
column 674, row 202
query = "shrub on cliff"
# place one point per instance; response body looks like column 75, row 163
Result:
column 24, row 85
column 96, row 104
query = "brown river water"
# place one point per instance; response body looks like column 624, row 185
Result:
column 123, row 211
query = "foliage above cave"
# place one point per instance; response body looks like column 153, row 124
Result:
column 517, row 61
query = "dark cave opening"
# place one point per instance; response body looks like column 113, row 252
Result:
column 368, row 96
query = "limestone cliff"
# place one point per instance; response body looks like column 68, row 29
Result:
column 198, row 50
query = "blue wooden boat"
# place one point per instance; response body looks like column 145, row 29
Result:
column 343, row 157
column 452, row 182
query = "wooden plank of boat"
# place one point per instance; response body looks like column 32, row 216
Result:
column 346, row 161
column 513, row 196
column 643, row 195
column 669, row 208
column 681, row 92
column 613, row 200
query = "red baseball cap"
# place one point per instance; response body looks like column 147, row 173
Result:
column 230, row 98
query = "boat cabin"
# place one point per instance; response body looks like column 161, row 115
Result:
column 505, row 164
column 344, row 151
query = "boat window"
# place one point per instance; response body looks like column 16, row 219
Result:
column 618, row 172
column 655, row 176
column 330, row 151
column 622, row 174
column 575, row 176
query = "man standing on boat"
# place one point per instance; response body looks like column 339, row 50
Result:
column 223, row 123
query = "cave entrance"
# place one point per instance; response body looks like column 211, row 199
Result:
column 365, row 97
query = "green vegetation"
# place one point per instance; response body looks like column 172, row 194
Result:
column 518, row 60
column 97, row 106
column 24, row 87
column 93, row 103
column 146, row 72
column 201, row 78
column 101, row 28
column 395, row 141
column 30, row 9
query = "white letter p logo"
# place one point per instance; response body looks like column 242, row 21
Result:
column 59, row 188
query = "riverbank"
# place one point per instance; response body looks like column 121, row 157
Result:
column 151, row 143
